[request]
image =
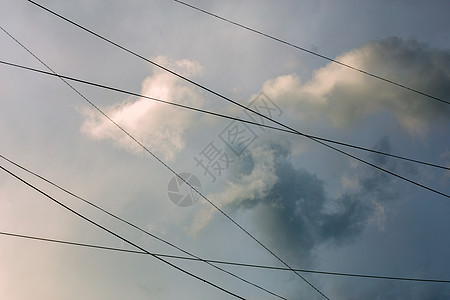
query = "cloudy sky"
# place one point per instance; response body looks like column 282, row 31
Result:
column 313, row 207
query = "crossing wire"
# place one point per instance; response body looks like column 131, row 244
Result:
column 257, row 113
column 289, row 130
column 103, row 210
column 315, row 53
column 42, row 239
column 90, row 203
column 92, row 104
column 162, row 162
column 167, row 166
column 235, row 103
column 117, row 235
column 300, row 270
column 192, row 187
column 216, row 114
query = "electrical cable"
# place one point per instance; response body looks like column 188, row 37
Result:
column 65, row 78
column 233, row 101
column 315, row 53
column 152, row 153
column 117, row 235
column 257, row 113
column 70, row 78
column 135, row 226
column 224, row 262
column 194, row 189
column 290, row 130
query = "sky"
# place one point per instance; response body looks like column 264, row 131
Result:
column 313, row 207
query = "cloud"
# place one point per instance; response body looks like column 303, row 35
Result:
column 346, row 97
column 445, row 157
column 251, row 181
column 389, row 290
column 290, row 207
column 153, row 124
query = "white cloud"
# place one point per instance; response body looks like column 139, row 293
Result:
column 346, row 97
column 153, row 124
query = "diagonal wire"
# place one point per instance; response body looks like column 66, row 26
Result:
column 167, row 166
column 103, row 210
column 315, row 53
column 232, row 101
column 289, row 130
column 135, row 226
column 42, row 239
column 117, row 235
column 102, row 86
column 235, row 103
column 62, row 77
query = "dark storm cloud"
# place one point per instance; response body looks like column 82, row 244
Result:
column 378, row 290
column 296, row 214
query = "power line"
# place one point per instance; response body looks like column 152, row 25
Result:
column 65, row 78
column 135, row 226
column 61, row 76
column 104, row 210
column 224, row 262
column 236, row 103
column 129, row 223
column 314, row 53
column 176, row 174
column 69, row 78
column 254, row 123
column 117, row 235
column 289, row 130
column 30, row 1
column 167, row 166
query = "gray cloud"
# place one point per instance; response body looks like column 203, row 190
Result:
column 379, row 290
column 294, row 212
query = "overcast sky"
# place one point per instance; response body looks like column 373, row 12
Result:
column 315, row 208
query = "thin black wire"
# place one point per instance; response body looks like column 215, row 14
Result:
column 171, row 169
column 224, row 262
column 240, row 105
column 217, row 114
column 314, row 53
column 267, row 249
column 81, row 81
column 74, row 89
column 289, row 130
column 234, row 102
column 181, row 178
column 135, row 226
column 64, row 78
column 103, row 210
column 162, row 162
column 117, row 235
